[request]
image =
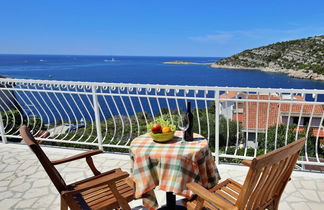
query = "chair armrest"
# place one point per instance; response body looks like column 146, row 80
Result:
column 247, row 162
column 92, row 183
column 76, row 157
column 113, row 171
column 209, row 196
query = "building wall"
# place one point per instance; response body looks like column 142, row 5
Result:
column 227, row 109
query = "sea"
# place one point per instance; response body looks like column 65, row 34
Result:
column 143, row 70
column 135, row 69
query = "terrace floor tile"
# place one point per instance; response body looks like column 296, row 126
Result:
column 24, row 183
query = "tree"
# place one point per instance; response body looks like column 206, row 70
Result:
column 229, row 129
column 282, row 140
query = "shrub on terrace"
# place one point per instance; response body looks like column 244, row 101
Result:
column 12, row 120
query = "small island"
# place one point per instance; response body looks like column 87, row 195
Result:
column 185, row 63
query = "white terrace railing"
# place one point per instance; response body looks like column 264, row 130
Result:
column 238, row 122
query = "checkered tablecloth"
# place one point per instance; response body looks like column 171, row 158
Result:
column 170, row 166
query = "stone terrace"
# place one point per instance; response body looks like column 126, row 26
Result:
column 25, row 185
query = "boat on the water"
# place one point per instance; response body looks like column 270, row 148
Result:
column 110, row 60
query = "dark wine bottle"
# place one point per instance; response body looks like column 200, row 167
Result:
column 188, row 135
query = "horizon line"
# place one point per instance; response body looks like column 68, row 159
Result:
column 114, row 55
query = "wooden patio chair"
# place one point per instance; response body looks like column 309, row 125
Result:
column 266, row 180
column 109, row 190
column 41, row 134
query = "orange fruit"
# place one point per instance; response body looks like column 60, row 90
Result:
column 166, row 129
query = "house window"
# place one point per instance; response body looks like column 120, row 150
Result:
column 306, row 120
column 295, row 120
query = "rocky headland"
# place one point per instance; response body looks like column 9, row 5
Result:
column 302, row 58
column 300, row 74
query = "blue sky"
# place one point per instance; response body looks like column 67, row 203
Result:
column 154, row 28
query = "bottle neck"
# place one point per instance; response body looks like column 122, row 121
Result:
column 188, row 106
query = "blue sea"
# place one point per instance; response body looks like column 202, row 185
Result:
column 142, row 69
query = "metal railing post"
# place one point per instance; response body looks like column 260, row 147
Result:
column 97, row 116
column 217, row 126
column 2, row 131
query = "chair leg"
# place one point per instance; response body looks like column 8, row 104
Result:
column 200, row 203
column 273, row 206
column 276, row 205
column 120, row 199
column 64, row 205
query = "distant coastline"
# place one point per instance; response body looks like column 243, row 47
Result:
column 185, row 63
column 300, row 74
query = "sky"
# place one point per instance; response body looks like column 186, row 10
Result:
column 154, row 27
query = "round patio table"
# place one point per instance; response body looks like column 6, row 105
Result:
column 170, row 165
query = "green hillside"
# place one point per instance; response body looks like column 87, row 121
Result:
column 302, row 54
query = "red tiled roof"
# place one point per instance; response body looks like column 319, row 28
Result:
column 299, row 129
column 229, row 94
column 250, row 110
column 296, row 108
column 250, row 118
column 315, row 131
column 299, row 98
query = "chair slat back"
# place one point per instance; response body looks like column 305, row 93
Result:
column 268, row 176
column 46, row 163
